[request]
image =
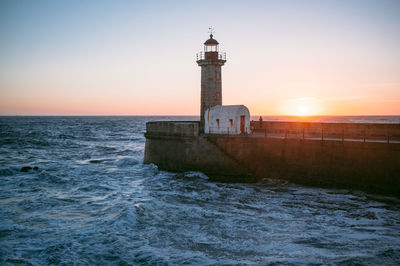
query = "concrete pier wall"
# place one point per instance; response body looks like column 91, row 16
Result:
column 369, row 166
column 173, row 128
column 188, row 152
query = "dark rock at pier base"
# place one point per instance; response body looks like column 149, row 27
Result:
column 28, row 168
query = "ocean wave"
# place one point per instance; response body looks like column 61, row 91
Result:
column 194, row 174
column 92, row 200
column 118, row 161
column 95, row 187
column 8, row 171
column 100, row 160
column 126, row 161
column 50, row 178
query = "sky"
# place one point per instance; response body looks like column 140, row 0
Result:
column 139, row 57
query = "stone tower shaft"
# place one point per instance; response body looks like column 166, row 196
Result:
column 210, row 62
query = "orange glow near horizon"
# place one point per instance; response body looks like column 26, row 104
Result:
column 301, row 107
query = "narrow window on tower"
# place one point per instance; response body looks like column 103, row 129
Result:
column 217, row 123
column 231, row 122
column 217, row 95
column 218, row 75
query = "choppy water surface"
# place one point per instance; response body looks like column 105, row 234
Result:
column 92, row 201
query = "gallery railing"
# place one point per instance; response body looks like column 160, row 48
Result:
column 211, row 55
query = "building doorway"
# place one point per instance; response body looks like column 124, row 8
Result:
column 242, row 119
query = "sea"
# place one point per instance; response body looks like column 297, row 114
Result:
column 75, row 191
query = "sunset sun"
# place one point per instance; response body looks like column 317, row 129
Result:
column 302, row 109
column 306, row 106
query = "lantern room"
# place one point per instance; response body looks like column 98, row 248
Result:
column 211, row 49
column 211, row 45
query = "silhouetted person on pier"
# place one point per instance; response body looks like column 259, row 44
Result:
column 261, row 121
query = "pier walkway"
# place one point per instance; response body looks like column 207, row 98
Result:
column 321, row 138
column 354, row 132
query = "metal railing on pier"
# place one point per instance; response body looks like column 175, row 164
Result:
column 323, row 135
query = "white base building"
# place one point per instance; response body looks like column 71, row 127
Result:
column 227, row 119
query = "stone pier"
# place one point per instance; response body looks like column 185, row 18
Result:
column 371, row 165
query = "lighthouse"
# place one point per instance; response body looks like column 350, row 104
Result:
column 216, row 118
column 210, row 61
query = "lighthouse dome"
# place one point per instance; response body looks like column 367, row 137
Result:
column 211, row 41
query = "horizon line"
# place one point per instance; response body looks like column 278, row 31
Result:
column 116, row 115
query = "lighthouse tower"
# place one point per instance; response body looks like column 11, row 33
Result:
column 210, row 62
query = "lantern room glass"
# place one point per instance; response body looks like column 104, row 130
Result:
column 211, row 48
